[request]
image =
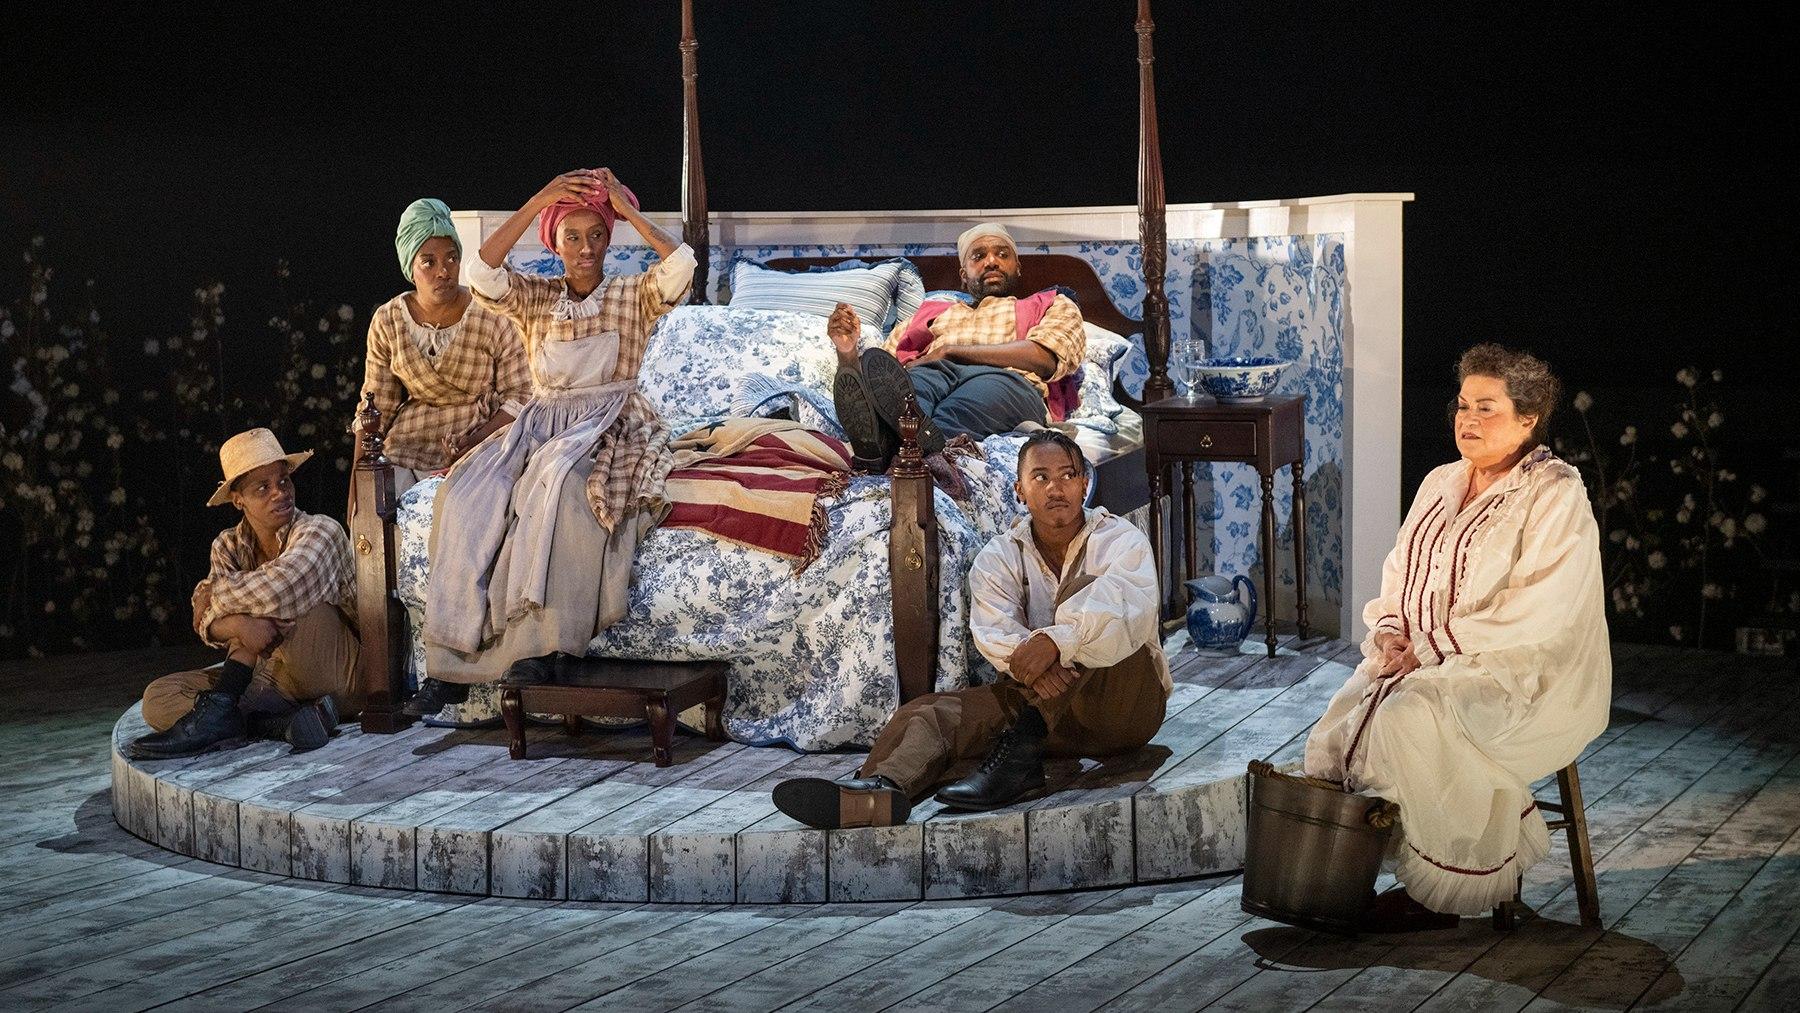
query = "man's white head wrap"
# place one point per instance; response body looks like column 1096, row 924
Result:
column 967, row 239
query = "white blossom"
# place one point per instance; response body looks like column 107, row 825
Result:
column 1628, row 437
column 49, row 607
column 1718, row 376
column 1656, row 560
column 1712, row 590
column 1683, row 515
column 1758, row 494
column 1680, row 430
column 1583, row 401
column 7, row 329
column 71, row 391
column 1675, row 631
column 151, row 347
column 116, row 497
column 1616, row 536
column 1632, row 544
column 1715, row 420
column 159, row 613
column 1687, row 377
column 13, row 461
column 318, row 371
column 115, row 441
column 1756, row 524
column 52, row 441
column 345, row 313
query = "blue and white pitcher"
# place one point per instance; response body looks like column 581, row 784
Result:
column 1219, row 615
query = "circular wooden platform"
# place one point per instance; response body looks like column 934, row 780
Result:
column 588, row 817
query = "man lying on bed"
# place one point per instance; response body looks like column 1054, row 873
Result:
column 1064, row 605
column 976, row 369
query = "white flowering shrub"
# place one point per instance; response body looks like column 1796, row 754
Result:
column 1683, row 538
column 109, row 447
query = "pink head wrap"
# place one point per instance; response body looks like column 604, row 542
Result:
column 551, row 218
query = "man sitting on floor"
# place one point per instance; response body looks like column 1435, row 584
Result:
column 976, row 369
column 1065, row 607
column 276, row 601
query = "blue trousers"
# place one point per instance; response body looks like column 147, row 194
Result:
column 976, row 400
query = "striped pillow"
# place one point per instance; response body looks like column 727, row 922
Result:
column 872, row 291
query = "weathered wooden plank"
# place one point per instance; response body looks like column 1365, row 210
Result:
column 468, row 955
column 843, row 957
column 384, row 843
column 876, row 863
column 257, row 990
column 453, row 847
column 719, row 969
column 780, row 861
column 609, row 859
column 1779, row 987
column 529, row 857
column 488, row 984
column 694, row 859
column 319, row 831
column 1005, row 972
column 1007, row 925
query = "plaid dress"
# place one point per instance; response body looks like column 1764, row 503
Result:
column 544, row 516
column 425, row 397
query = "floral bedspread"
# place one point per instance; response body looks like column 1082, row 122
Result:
column 812, row 655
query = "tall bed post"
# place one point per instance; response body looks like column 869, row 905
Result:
column 1152, row 218
column 695, row 227
column 913, row 563
column 380, row 618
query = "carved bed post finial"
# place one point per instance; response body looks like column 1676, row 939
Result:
column 1152, row 217
column 695, row 227
column 368, row 435
column 909, row 461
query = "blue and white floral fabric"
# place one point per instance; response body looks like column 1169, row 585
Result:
column 812, row 656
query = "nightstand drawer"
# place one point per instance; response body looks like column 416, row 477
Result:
column 1225, row 439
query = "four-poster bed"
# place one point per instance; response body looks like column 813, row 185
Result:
column 912, row 548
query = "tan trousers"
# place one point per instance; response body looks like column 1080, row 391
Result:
column 317, row 657
column 1109, row 711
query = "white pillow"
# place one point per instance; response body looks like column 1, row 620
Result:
column 872, row 291
column 696, row 355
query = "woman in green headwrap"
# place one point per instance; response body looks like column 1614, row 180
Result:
column 445, row 371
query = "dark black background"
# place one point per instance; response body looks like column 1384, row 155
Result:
column 1602, row 185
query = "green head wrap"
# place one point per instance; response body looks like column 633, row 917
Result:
column 424, row 218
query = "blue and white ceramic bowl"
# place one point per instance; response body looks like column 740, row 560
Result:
column 1240, row 379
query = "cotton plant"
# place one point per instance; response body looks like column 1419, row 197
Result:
column 314, row 397
column 83, row 566
column 1682, row 535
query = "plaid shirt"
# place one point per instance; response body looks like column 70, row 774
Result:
column 632, row 459
column 425, row 398
column 994, row 323
column 313, row 567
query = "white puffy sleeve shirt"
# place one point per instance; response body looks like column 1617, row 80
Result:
column 1013, row 591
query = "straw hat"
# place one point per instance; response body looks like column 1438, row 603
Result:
column 248, row 451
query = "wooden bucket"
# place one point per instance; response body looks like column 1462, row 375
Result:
column 1313, row 851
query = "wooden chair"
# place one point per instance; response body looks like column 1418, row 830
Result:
column 1573, row 818
column 614, row 687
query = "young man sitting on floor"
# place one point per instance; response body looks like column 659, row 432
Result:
column 275, row 600
column 976, row 368
column 1065, row 607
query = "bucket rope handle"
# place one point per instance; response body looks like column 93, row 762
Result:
column 1381, row 815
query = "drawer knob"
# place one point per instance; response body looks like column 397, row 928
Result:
column 1205, row 440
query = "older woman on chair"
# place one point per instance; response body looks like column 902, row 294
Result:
column 1486, row 665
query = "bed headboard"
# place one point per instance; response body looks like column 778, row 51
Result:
column 1038, row 271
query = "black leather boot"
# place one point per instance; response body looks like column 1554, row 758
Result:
column 872, row 443
column 434, row 696
column 847, row 802
column 215, row 722
column 889, row 385
column 306, row 727
column 546, row 670
column 1013, row 769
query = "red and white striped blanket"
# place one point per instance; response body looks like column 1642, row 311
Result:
column 757, row 482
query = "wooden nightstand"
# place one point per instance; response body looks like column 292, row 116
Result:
column 1268, row 434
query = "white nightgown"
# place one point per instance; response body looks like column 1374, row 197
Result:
column 1504, row 604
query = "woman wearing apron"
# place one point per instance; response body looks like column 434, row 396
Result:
column 536, row 527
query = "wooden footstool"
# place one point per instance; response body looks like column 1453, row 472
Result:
column 620, row 688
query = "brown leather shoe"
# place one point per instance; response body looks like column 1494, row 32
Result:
column 842, row 804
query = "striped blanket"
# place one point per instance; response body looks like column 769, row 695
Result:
column 757, row 482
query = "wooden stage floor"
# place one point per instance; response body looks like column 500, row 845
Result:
column 1693, row 799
